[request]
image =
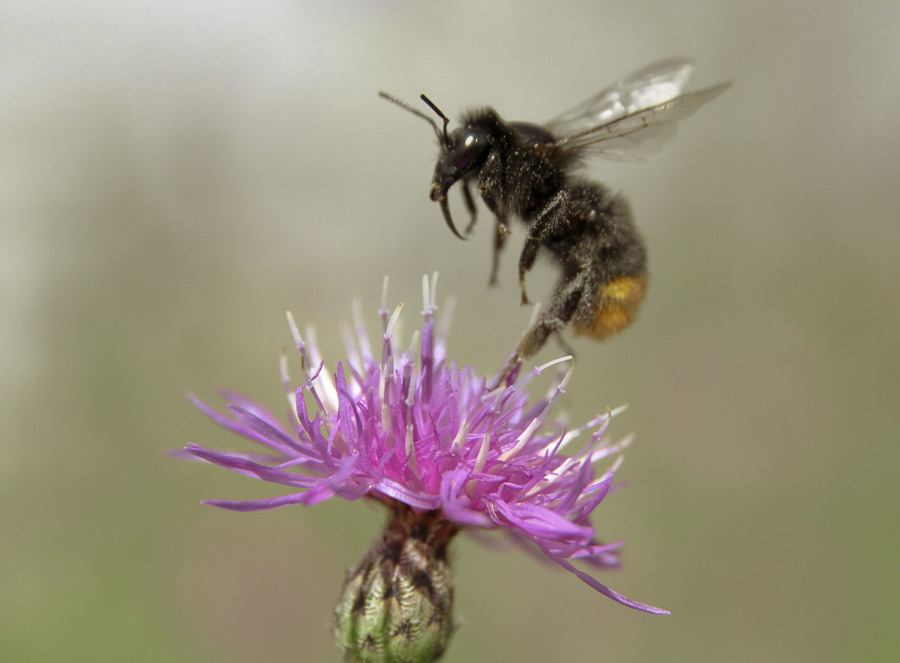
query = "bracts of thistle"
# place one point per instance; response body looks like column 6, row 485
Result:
column 397, row 604
column 444, row 449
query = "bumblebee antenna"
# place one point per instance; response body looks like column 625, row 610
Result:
column 439, row 113
column 442, row 135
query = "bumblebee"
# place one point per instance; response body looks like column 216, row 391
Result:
column 529, row 171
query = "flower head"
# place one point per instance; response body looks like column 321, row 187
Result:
column 425, row 433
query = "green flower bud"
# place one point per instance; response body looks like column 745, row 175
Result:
column 397, row 604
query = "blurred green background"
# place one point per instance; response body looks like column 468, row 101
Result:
column 176, row 175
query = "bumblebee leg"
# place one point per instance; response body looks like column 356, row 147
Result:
column 470, row 206
column 500, row 232
column 562, row 307
column 535, row 337
column 539, row 230
column 563, row 304
column 532, row 340
column 526, row 262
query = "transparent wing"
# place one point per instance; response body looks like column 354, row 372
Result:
column 634, row 117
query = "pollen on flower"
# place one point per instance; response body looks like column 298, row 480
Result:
column 405, row 426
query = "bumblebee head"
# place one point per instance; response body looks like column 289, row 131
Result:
column 463, row 151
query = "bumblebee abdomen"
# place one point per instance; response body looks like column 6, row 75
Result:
column 616, row 305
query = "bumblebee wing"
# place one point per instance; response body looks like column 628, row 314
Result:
column 633, row 118
column 650, row 86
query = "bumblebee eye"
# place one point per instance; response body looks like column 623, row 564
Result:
column 467, row 148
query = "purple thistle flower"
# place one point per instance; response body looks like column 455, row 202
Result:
column 434, row 437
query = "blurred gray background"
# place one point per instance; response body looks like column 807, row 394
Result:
column 176, row 175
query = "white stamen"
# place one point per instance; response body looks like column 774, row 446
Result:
column 616, row 465
column 289, row 392
column 357, row 312
column 483, row 452
column 295, row 332
column 283, row 369
column 434, row 280
column 522, row 441
column 600, row 421
column 362, row 337
column 544, row 367
column 620, row 446
column 323, row 382
column 595, row 456
column 387, row 368
column 551, row 396
column 460, row 438
column 389, row 330
column 616, row 411
column 385, row 408
column 411, row 450
column 590, row 489
column 353, row 357
column 447, row 314
column 413, row 344
column 550, row 479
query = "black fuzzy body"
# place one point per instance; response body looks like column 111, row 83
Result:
column 586, row 230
